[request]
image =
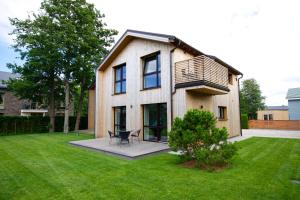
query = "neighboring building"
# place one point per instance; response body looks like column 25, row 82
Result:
column 148, row 79
column 9, row 103
column 91, row 107
column 293, row 97
column 12, row 105
column 273, row 113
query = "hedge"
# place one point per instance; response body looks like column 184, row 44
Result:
column 13, row 125
column 244, row 121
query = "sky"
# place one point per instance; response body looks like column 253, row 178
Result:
column 260, row 38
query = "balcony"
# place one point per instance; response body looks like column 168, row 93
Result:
column 202, row 74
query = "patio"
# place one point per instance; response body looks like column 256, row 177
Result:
column 132, row 150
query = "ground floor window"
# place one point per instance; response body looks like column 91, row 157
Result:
column 119, row 119
column 268, row 117
column 155, row 122
column 222, row 113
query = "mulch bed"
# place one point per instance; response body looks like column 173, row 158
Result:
column 193, row 164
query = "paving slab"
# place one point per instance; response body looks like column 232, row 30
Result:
column 132, row 150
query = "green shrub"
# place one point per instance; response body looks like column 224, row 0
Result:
column 244, row 120
column 198, row 138
column 12, row 125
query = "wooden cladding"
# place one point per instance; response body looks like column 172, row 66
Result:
column 201, row 70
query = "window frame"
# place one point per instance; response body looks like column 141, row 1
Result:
column 159, row 127
column 121, row 117
column 224, row 109
column 122, row 79
column 150, row 57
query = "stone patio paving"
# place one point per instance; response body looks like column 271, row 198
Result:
column 132, row 150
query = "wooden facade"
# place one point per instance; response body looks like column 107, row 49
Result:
column 130, row 50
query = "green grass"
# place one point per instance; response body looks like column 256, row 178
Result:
column 45, row 166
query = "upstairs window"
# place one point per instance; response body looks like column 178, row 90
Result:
column 120, row 79
column 151, row 72
column 222, row 112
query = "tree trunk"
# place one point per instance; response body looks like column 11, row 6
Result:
column 52, row 108
column 82, row 89
column 67, row 105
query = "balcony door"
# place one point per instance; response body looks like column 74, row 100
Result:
column 155, row 122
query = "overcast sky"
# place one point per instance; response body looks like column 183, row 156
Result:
column 260, row 38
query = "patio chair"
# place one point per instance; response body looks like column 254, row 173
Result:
column 135, row 135
column 112, row 136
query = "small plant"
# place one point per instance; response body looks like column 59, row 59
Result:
column 198, row 138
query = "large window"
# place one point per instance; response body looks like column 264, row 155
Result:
column 222, row 113
column 155, row 122
column 151, row 71
column 120, row 79
column 119, row 119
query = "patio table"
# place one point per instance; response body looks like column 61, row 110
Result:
column 124, row 136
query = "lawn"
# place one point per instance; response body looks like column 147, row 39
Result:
column 45, row 166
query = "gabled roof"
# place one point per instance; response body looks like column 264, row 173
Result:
column 293, row 93
column 131, row 34
column 277, row 108
column 5, row 76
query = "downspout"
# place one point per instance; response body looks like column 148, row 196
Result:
column 171, row 80
column 240, row 104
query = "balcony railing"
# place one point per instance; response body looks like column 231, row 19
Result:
column 201, row 70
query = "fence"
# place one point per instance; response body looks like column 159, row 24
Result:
column 275, row 124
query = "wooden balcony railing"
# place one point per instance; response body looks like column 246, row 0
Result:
column 201, row 70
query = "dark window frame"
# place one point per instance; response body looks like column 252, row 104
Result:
column 266, row 117
column 121, row 117
column 122, row 79
column 159, row 126
column 222, row 113
column 150, row 57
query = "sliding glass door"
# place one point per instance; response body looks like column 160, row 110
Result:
column 119, row 119
column 155, row 122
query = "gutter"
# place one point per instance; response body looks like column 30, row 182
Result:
column 241, row 133
column 171, row 79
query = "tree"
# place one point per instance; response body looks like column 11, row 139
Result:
column 251, row 98
column 85, row 45
column 62, row 45
column 35, row 41
column 198, row 138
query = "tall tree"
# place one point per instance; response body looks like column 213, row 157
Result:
column 62, row 45
column 251, row 98
column 84, row 42
column 40, row 73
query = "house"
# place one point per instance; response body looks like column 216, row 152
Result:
column 10, row 104
column 273, row 113
column 293, row 97
column 148, row 79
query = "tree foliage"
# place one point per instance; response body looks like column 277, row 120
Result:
column 251, row 98
column 61, row 45
column 197, row 137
